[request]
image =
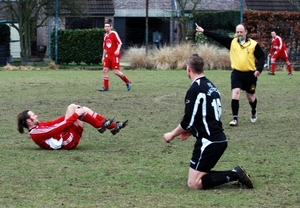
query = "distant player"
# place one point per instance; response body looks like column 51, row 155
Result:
column 202, row 119
column 111, row 57
column 280, row 52
column 64, row 132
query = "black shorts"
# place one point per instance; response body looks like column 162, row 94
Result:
column 243, row 80
column 207, row 153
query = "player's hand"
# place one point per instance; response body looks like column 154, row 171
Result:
column 168, row 137
column 117, row 52
column 256, row 73
column 198, row 28
column 185, row 135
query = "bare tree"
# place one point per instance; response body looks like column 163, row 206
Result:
column 296, row 3
column 32, row 14
column 186, row 10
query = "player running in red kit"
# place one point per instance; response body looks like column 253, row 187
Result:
column 280, row 52
column 111, row 57
column 65, row 132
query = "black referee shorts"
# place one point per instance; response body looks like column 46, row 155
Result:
column 207, row 152
column 243, row 80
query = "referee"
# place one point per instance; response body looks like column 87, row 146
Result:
column 247, row 61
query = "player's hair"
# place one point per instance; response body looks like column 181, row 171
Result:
column 196, row 63
column 107, row 22
column 21, row 118
column 245, row 27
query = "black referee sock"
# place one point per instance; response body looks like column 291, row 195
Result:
column 253, row 106
column 235, row 108
column 216, row 178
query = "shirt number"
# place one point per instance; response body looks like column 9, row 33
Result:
column 216, row 104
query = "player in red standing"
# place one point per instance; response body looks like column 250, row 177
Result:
column 280, row 52
column 111, row 57
column 65, row 132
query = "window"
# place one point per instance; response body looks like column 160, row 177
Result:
column 84, row 23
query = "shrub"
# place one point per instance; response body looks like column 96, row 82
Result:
column 174, row 57
column 78, row 46
column 214, row 56
column 137, row 57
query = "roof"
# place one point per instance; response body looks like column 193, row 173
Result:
column 91, row 7
column 102, row 7
column 273, row 5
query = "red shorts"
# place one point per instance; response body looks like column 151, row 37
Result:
column 281, row 55
column 72, row 137
column 112, row 62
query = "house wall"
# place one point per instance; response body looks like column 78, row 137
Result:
column 137, row 8
column 44, row 33
column 162, row 8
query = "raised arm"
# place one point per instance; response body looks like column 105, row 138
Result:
column 224, row 40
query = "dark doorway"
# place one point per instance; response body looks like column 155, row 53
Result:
column 135, row 30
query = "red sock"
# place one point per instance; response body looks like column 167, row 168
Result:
column 289, row 67
column 101, row 118
column 106, row 82
column 111, row 126
column 125, row 79
column 273, row 65
column 98, row 116
column 91, row 120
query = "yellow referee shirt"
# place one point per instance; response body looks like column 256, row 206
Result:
column 242, row 55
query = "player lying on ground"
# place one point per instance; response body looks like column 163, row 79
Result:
column 65, row 132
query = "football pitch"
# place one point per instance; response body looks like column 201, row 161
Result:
column 136, row 168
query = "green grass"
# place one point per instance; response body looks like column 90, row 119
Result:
column 135, row 168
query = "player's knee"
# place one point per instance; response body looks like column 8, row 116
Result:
column 72, row 106
column 236, row 94
column 118, row 73
column 250, row 97
column 194, row 184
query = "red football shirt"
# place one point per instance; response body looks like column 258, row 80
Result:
column 54, row 134
column 111, row 42
column 277, row 45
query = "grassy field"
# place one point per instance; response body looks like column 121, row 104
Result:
column 135, row 168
